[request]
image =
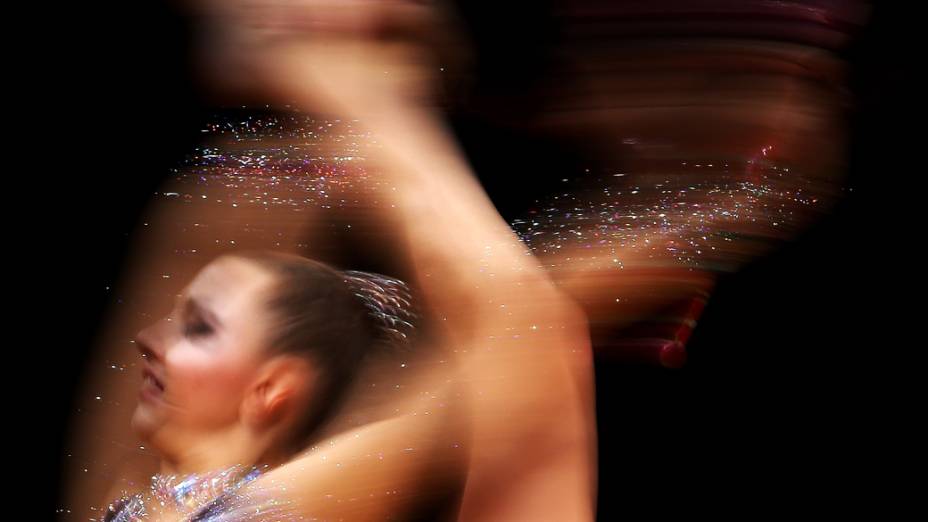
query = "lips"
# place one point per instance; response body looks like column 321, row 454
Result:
column 151, row 381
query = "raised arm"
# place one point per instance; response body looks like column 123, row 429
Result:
column 468, row 260
column 523, row 347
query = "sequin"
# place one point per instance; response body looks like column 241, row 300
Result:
column 194, row 497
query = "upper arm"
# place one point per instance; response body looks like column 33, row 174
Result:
column 534, row 446
column 370, row 473
column 548, row 477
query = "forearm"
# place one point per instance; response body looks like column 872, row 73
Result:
column 459, row 243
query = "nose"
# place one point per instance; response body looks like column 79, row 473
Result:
column 151, row 339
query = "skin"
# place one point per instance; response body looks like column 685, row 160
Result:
column 226, row 401
column 522, row 344
column 221, row 389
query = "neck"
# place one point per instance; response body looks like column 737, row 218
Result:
column 221, row 451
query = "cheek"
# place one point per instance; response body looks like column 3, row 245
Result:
column 206, row 385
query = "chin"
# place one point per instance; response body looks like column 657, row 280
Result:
column 144, row 422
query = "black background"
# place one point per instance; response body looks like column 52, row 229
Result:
column 795, row 392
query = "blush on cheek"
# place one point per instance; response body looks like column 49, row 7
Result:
column 206, row 387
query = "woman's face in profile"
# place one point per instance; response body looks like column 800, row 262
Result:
column 200, row 359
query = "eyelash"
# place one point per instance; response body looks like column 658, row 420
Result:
column 197, row 329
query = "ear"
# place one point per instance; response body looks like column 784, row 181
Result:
column 282, row 386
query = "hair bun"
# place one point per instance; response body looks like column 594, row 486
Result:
column 389, row 304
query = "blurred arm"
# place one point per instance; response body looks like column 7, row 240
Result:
column 523, row 345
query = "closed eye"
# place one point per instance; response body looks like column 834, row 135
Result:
column 197, row 328
column 198, row 321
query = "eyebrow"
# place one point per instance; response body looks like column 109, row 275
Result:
column 192, row 305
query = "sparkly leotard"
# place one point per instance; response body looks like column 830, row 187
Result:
column 220, row 496
column 210, row 497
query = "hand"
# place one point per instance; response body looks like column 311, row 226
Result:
column 345, row 57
